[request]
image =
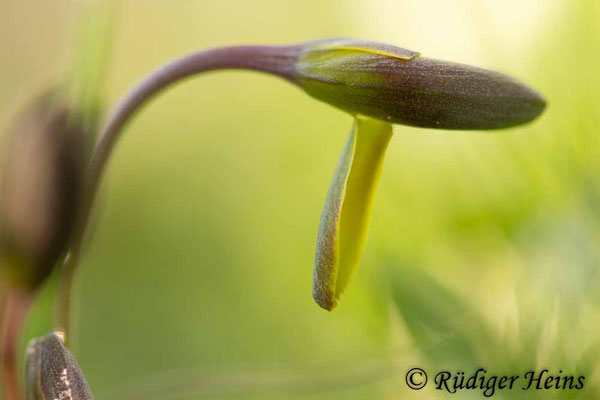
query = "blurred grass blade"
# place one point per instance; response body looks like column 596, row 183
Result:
column 93, row 33
column 446, row 329
column 340, row 380
column 347, row 212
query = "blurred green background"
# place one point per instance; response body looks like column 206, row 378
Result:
column 196, row 282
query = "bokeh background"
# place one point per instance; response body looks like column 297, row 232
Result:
column 196, row 282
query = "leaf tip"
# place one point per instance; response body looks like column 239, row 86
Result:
column 327, row 301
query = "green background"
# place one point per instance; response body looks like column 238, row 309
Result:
column 196, row 281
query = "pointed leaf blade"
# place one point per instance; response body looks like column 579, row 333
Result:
column 347, row 212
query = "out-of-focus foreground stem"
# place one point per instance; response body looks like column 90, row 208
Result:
column 94, row 35
column 16, row 305
column 62, row 324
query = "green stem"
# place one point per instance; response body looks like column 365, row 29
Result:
column 64, row 300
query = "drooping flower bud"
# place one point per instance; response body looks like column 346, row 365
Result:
column 399, row 86
column 51, row 372
column 40, row 190
column 374, row 81
column 378, row 85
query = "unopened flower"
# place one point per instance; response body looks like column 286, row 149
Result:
column 402, row 87
column 52, row 373
column 378, row 85
column 40, row 189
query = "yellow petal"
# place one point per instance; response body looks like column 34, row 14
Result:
column 363, row 46
column 347, row 212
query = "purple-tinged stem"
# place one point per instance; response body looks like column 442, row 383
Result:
column 279, row 61
column 16, row 306
column 276, row 60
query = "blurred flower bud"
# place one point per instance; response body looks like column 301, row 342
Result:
column 51, row 372
column 40, row 190
column 399, row 86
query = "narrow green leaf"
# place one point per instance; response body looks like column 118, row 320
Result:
column 446, row 328
column 347, row 212
column 93, row 41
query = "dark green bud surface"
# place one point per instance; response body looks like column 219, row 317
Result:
column 399, row 86
column 40, row 190
column 51, row 372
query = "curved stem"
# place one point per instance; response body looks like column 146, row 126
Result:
column 276, row 60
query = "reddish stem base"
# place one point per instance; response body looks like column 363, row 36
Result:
column 15, row 310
